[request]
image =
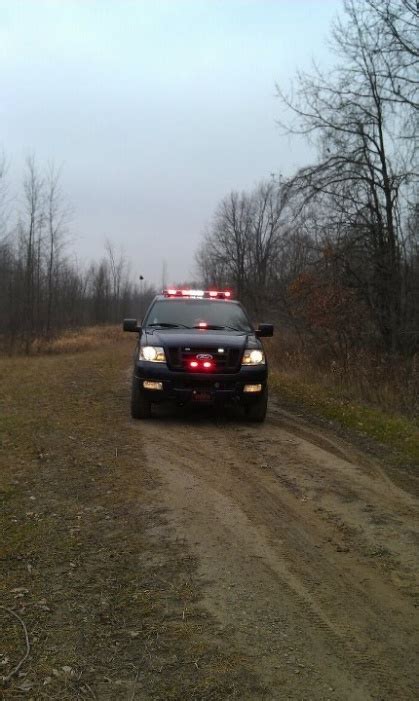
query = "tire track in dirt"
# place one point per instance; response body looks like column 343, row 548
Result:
column 281, row 519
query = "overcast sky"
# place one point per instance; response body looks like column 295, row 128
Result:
column 156, row 109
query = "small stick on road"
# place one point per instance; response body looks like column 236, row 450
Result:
column 14, row 671
column 132, row 697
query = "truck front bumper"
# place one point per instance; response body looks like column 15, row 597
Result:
column 183, row 387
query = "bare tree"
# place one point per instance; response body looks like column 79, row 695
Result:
column 242, row 246
column 364, row 165
column 43, row 292
column 4, row 213
column 58, row 214
column 31, row 226
column 396, row 23
column 266, row 240
column 116, row 267
column 228, row 241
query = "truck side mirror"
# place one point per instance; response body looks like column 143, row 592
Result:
column 265, row 330
column 131, row 325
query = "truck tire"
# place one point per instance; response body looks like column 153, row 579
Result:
column 256, row 411
column 140, row 403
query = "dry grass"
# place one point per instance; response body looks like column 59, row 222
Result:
column 77, row 340
column 387, row 384
column 70, row 341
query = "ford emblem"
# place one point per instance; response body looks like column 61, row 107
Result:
column 204, row 356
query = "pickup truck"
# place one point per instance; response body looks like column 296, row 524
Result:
column 198, row 346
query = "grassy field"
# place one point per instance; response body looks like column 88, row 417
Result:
column 108, row 596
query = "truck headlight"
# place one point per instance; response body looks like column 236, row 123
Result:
column 253, row 357
column 154, row 354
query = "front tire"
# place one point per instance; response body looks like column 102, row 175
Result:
column 256, row 411
column 140, row 403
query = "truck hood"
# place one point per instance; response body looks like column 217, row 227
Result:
column 170, row 338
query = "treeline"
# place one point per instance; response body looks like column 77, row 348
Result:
column 333, row 251
column 43, row 289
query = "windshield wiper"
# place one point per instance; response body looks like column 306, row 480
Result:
column 211, row 327
column 164, row 325
column 233, row 328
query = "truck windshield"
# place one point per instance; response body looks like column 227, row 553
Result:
column 195, row 312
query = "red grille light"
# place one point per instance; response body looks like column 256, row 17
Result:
column 203, row 366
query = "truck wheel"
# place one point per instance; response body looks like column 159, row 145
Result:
column 140, row 403
column 256, row 411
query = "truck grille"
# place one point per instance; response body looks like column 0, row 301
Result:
column 227, row 361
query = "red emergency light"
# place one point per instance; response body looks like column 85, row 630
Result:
column 200, row 294
column 203, row 366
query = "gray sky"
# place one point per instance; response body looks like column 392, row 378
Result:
column 156, row 109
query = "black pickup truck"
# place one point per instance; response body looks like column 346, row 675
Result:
column 198, row 346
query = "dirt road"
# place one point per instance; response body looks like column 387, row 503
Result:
column 307, row 550
column 193, row 556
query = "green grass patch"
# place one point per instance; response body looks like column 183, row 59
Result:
column 397, row 433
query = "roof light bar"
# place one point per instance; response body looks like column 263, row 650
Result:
column 211, row 294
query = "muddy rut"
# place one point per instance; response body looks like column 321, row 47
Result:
column 307, row 551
